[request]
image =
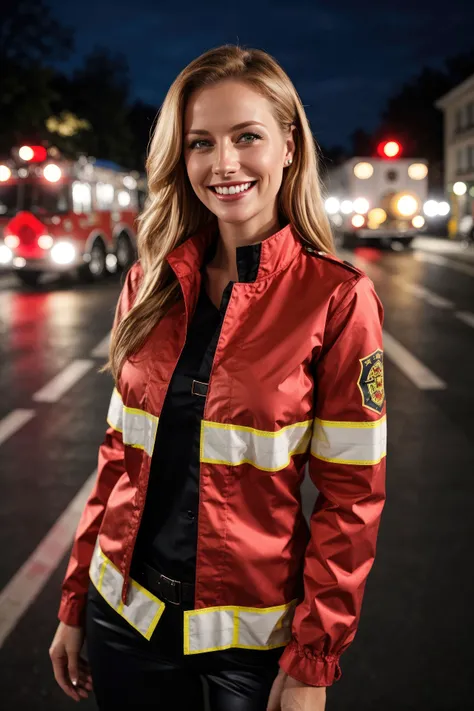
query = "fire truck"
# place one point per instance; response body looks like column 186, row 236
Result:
column 59, row 215
column 380, row 199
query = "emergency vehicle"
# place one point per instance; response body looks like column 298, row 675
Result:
column 59, row 215
column 381, row 198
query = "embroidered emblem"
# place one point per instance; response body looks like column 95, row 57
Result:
column 371, row 383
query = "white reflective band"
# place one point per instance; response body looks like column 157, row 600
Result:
column 138, row 427
column 142, row 611
column 269, row 451
column 362, row 443
column 214, row 628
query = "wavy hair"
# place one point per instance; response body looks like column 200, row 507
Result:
column 173, row 212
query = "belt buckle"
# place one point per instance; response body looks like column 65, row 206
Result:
column 175, row 585
column 199, row 382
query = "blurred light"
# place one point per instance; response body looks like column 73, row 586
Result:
column 45, row 241
column 443, row 208
column 459, row 188
column 111, row 262
column 5, row 173
column 407, row 205
column 471, row 191
column 358, row 220
column 346, row 207
column 418, row 221
column 363, row 171
column 130, row 182
column 332, row 205
column 19, row 262
column 361, row 205
column 123, row 198
column 431, row 208
column 22, row 172
column 389, row 149
column 12, row 241
column 63, row 253
column 6, row 254
column 26, row 153
column 377, row 215
column 337, row 220
column 417, row 171
column 52, row 173
column 105, row 193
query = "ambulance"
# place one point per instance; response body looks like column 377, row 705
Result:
column 381, row 199
column 63, row 215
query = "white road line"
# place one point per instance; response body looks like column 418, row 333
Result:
column 13, row 421
column 19, row 593
column 444, row 262
column 68, row 377
column 419, row 374
column 466, row 317
column 102, row 349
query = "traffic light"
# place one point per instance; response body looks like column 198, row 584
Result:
column 389, row 149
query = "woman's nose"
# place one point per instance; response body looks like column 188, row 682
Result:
column 225, row 159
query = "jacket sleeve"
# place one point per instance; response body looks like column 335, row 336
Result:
column 110, row 468
column 347, row 466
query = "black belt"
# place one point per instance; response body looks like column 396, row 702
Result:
column 173, row 591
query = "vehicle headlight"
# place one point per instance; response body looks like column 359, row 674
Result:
column 63, row 253
column 332, row 205
column 407, row 205
column 418, row 222
column 6, row 255
column 431, row 208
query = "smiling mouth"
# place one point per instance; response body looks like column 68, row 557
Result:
column 250, row 183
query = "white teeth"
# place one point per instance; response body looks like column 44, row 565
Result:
column 233, row 189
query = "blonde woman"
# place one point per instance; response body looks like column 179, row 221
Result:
column 244, row 352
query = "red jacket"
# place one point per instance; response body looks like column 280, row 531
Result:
column 296, row 384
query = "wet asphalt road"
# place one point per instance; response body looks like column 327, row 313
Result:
column 413, row 646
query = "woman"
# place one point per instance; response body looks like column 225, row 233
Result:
column 242, row 350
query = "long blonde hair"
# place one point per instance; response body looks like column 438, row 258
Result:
column 173, row 212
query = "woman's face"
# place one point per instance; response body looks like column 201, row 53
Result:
column 219, row 152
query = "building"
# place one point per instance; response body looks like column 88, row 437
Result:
column 458, row 108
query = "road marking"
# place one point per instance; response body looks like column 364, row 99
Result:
column 68, row 377
column 444, row 262
column 466, row 317
column 25, row 586
column 421, row 292
column 419, row 374
column 13, row 421
column 102, row 349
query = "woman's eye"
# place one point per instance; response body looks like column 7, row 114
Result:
column 253, row 136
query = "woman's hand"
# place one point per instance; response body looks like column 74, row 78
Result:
column 288, row 694
column 70, row 670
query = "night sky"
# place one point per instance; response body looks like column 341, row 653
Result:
column 345, row 58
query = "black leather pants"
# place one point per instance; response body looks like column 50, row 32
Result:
column 131, row 672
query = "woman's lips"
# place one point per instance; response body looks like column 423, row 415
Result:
column 235, row 196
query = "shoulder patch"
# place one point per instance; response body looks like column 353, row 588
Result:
column 371, row 381
column 332, row 258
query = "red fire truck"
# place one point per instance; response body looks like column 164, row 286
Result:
column 61, row 215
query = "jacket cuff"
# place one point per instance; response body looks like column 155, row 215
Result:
column 72, row 609
column 304, row 666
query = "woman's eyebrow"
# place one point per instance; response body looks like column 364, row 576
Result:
column 202, row 132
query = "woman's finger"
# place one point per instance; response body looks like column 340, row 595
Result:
column 62, row 677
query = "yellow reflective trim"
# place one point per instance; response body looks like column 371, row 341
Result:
column 120, row 608
column 117, row 429
column 353, row 462
column 259, row 433
column 186, row 634
column 235, row 639
column 341, row 423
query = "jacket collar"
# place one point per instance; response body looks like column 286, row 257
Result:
column 254, row 261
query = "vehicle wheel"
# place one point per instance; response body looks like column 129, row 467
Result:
column 29, row 277
column 95, row 268
column 125, row 253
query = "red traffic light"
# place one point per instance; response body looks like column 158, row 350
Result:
column 389, row 149
column 33, row 154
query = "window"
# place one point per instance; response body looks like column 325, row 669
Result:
column 457, row 121
column 44, row 198
column 104, row 194
column 470, row 115
column 81, row 197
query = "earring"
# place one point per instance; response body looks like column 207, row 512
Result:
column 289, row 161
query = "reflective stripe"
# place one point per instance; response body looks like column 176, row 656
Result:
column 142, row 611
column 362, row 443
column 269, row 451
column 137, row 426
column 214, row 628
